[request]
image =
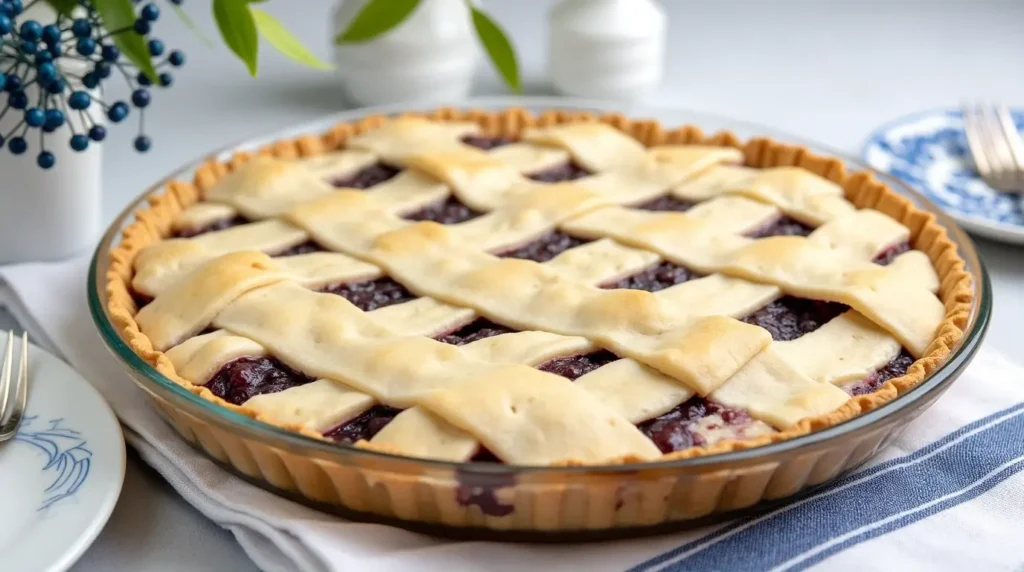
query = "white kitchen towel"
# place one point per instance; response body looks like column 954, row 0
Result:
column 947, row 495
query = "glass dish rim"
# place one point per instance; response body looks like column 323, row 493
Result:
column 960, row 354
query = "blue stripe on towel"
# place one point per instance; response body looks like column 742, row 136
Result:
column 975, row 490
column 886, row 497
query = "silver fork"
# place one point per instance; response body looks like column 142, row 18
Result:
column 995, row 145
column 20, row 390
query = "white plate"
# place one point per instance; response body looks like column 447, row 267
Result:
column 61, row 475
column 928, row 151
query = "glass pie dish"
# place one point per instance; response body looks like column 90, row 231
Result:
column 530, row 502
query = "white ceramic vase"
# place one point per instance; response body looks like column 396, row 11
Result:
column 47, row 214
column 431, row 56
column 606, row 49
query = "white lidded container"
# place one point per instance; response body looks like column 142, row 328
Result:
column 431, row 56
column 606, row 49
column 48, row 214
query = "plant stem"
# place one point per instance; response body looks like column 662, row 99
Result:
column 11, row 132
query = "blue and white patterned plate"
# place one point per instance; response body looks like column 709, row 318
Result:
column 61, row 475
column 928, row 151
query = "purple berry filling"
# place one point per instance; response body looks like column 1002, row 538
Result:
column 484, row 456
column 478, row 329
column 245, row 377
column 372, row 294
column 895, row 368
column 545, row 248
column 217, row 225
column 573, row 367
column 141, row 300
column 886, row 257
column 657, row 277
column 304, row 248
column 480, row 490
column 486, row 143
column 448, row 211
column 373, row 175
column 674, row 431
column 565, row 172
column 783, row 226
column 789, row 317
column 666, row 203
column 365, row 426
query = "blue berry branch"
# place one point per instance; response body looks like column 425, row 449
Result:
column 34, row 54
column 67, row 60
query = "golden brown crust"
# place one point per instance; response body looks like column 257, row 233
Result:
column 862, row 189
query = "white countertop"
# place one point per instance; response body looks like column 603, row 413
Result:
column 825, row 70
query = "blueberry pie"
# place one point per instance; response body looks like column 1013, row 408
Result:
column 561, row 289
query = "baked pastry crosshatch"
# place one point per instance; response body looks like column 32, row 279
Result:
column 554, row 289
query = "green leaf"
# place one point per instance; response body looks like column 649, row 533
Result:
column 120, row 15
column 184, row 17
column 498, row 48
column 63, row 7
column 284, row 41
column 238, row 30
column 377, row 17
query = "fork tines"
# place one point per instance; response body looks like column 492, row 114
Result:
column 995, row 145
column 10, row 417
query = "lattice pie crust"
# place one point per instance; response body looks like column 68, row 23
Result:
column 219, row 296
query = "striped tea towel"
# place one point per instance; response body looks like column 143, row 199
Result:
column 947, row 495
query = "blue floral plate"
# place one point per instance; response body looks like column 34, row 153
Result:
column 928, row 151
column 61, row 474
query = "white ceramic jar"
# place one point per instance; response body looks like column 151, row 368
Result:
column 431, row 56
column 606, row 49
column 48, row 214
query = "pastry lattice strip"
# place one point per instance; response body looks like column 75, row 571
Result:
column 267, row 187
column 348, row 402
column 763, row 365
column 199, row 358
column 328, row 402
